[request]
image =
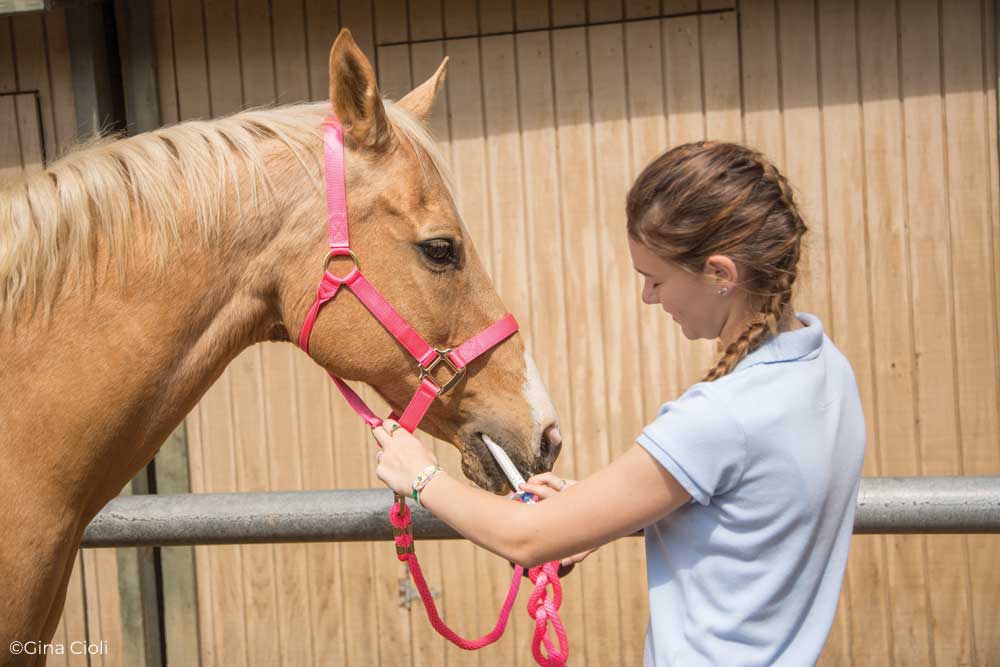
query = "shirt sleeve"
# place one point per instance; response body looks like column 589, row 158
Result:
column 699, row 442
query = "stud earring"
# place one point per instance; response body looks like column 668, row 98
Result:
column 723, row 291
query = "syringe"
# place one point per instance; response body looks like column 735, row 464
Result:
column 509, row 469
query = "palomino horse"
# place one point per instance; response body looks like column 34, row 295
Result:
column 133, row 271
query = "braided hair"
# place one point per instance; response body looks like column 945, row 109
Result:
column 706, row 198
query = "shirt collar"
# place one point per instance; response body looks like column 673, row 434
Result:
column 799, row 344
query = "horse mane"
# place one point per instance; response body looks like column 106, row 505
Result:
column 51, row 219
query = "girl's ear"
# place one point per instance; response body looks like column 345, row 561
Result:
column 721, row 269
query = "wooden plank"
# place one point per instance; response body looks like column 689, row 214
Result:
column 495, row 17
column 720, row 68
column 976, row 355
column 759, row 60
column 891, row 333
column 141, row 640
column 602, row 11
column 648, row 137
column 10, row 144
column 181, row 636
column 641, row 8
column 163, row 39
column 73, row 624
column 371, row 572
column 282, row 439
column 587, row 419
column 220, row 582
column 802, row 126
column 394, row 71
column 61, row 81
column 620, row 304
column 322, row 25
column 327, row 609
column 426, row 20
column 137, row 60
column 461, row 18
column 990, row 87
column 32, row 67
column 291, row 65
column 190, row 65
column 933, row 315
column 530, row 15
column 30, row 134
column 223, row 58
column 390, row 21
column 256, row 53
column 850, row 320
column 671, row 7
column 253, row 474
column 568, row 12
column 100, row 574
column 8, row 72
column 357, row 15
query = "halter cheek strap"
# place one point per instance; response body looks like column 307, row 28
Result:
column 428, row 358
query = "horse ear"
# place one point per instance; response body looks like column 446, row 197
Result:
column 354, row 95
column 420, row 100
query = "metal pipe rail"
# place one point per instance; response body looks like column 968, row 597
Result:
column 885, row 505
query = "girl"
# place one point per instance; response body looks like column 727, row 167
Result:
column 746, row 484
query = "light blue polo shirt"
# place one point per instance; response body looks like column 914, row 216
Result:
column 749, row 572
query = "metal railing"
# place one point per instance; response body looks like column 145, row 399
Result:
column 885, row 505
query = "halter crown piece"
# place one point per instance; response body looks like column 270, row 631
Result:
column 541, row 608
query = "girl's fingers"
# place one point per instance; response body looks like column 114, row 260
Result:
column 380, row 436
column 547, row 478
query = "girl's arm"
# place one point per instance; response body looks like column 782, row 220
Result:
column 630, row 493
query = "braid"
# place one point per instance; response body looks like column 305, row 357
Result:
column 765, row 323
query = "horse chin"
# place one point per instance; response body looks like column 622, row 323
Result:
column 480, row 468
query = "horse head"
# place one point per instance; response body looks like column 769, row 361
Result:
column 411, row 244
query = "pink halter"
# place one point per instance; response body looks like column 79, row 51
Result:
column 543, row 609
column 427, row 357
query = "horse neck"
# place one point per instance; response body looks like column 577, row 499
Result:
column 105, row 380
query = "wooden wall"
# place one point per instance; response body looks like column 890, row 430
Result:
column 882, row 115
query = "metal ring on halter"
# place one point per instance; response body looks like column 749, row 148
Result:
column 341, row 252
column 442, row 357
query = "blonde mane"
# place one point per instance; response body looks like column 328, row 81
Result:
column 52, row 219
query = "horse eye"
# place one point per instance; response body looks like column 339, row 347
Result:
column 440, row 251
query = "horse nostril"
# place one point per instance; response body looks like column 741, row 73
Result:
column 551, row 444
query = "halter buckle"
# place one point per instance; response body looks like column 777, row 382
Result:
column 442, row 357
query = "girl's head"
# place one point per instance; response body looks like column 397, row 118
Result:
column 715, row 231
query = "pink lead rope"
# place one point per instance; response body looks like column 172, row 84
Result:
column 542, row 608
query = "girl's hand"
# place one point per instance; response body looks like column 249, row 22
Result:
column 545, row 486
column 400, row 458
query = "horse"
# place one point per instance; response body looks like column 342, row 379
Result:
column 134, row 270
